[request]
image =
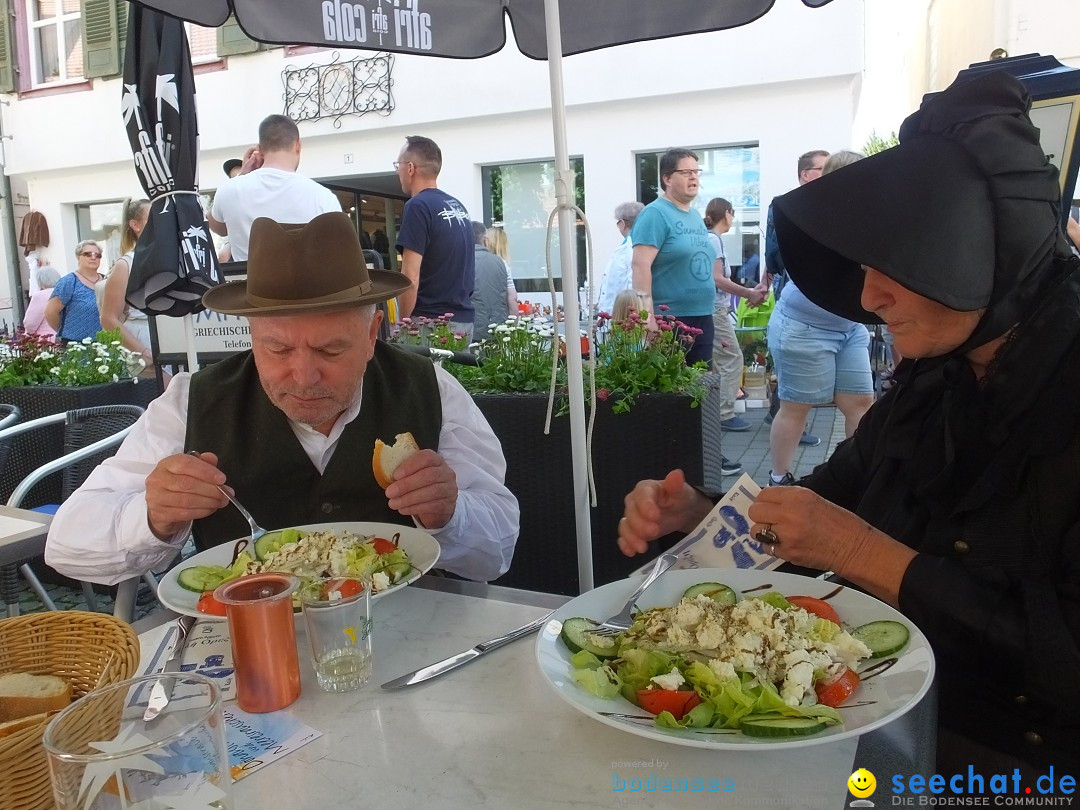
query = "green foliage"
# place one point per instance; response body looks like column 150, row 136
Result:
column 433, row 332
column 32, row 360
column 875, row 143
column 632, row 359
column 517, row 357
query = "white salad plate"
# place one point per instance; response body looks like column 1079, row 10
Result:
column 879, row 699
column 422, row 548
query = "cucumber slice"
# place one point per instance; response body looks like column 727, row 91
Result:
column 202, row 578
column 576, row 635
column 272, row 541
column 778, row 726
column 716, row 591
column 883, row 637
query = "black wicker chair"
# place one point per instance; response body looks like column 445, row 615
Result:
column 90, row 436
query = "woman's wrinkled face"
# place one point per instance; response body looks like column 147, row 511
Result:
column 920, row 327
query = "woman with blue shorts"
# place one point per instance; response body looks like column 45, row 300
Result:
column 819, row 358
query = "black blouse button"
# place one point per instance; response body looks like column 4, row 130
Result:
column 1031, row 738
column 961, row 547
column 1020, row 700
column 327, row 508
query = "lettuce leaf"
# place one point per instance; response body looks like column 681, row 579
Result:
column 602, row 682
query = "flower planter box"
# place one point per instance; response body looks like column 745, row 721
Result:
column 30, row 451
column 661, row 432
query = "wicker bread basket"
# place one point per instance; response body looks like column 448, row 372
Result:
column 86, row 649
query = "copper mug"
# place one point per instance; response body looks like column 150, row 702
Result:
column 263, row 636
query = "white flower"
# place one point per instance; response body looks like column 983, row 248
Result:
column 87, row 341
column 103, row 369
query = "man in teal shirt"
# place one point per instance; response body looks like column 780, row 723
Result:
column 673, row 259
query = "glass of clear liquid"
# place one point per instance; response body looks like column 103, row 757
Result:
column 337, row 615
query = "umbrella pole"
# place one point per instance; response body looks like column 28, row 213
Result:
column 189, row 340
column 564, row 195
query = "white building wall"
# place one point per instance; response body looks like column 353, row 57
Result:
column 788, row 81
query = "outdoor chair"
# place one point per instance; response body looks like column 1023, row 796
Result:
column 9, row 416
column 90, row 436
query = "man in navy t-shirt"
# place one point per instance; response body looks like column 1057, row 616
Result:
column 435, row 240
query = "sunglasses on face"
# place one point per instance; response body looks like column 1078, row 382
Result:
column 90, row 254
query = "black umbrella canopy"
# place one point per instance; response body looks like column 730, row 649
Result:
column 174, row 260
column 466, row 29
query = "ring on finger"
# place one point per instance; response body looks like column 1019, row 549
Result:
column 768, row 536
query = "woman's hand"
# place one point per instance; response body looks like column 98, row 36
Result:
column 816, row 533
column 656, row 508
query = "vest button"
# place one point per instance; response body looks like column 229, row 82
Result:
column 1031, row 738
column 327, row 508
column 961, row 547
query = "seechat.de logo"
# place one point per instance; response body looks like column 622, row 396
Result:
column 862, row 785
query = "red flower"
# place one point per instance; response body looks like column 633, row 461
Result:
column 602, row 393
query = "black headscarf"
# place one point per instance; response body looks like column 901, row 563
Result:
column 966, row 212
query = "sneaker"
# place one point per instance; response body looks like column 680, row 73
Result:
column 786, row 481
column 807, row 439
column 736, row 424
column 729, row 467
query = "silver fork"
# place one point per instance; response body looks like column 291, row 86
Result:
column 622, row 620
column 257, row 531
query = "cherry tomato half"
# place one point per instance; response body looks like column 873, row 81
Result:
column 383, row 546
column 839, row 689
column 818, row 607
column 209, row 605
column 676, row 701
column 343, row 587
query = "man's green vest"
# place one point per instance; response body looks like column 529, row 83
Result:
column 229, row 414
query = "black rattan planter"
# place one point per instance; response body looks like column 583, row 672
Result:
column 661, row 432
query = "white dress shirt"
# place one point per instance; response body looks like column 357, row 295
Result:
column 101, row 533
column 619, row 276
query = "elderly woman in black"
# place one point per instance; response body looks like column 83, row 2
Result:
column 958, row 497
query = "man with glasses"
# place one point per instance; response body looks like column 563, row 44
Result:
column 435, row 239
column 673, row 258
column 619, row 275
column 268, row 185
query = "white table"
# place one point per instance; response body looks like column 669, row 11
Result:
column 22, row 536
column 494, row 733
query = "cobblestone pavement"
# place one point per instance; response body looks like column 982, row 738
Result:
column 751, row 447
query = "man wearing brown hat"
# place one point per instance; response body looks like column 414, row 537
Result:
column 290, row 427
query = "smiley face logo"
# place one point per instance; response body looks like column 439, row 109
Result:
column 862, row 783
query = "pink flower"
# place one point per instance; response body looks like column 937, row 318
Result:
column 604, row 316
column 448, row 315
column 663, row 307
column 602, row 393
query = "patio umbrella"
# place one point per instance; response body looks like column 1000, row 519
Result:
column 174, row 260
column 469, row 29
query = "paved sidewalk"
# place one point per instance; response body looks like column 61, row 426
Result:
column 751, row 447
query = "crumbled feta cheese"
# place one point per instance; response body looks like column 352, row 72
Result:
column 673, row 680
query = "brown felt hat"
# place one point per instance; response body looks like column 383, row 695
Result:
column 293, row 269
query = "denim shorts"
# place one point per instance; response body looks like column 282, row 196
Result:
column 812, row 364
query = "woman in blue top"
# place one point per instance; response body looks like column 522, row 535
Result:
column 73, row 311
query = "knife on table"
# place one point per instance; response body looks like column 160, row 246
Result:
column 461, row 659
column 159, row 694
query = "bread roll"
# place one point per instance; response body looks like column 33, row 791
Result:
column 22, row 694
column 387, row 457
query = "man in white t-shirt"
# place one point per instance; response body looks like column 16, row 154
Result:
column 268, row 186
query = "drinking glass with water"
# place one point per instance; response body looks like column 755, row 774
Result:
column 337, row 614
